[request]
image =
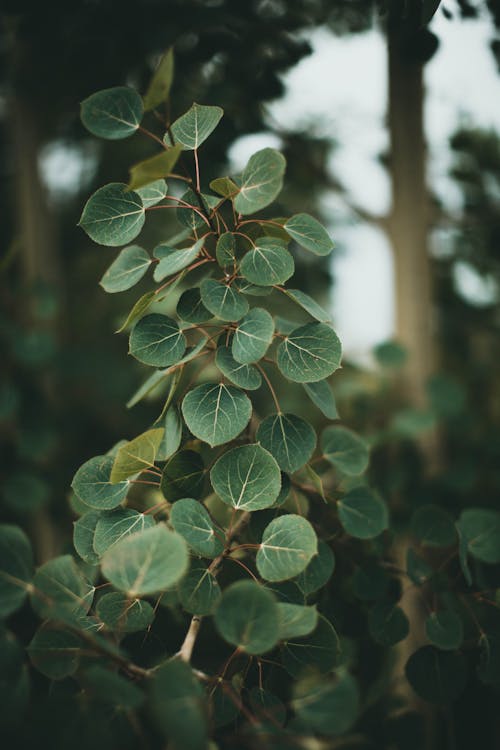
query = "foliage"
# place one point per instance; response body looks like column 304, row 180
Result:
column 225, row 518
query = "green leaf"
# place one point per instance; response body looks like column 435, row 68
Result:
column 362, row 513
column 261, row 181
column 111, row 688
column 55, row 652
column 216, row 413
column 129, row 268
column 161, row 82
column 172, row 435
column 268, row 263
column 252, row 336
column 152, row 193
column 247, row 478
column 191, row 308
column 92, row 484
column 204, row 205
column 136, row 455
column 318, row 571
column 329, row 706
column 288, row 545
column 138, row 309
column 194, row 127
column 222, row 300
column 248, row 617
column 61, row 592
column 390, row 354
column 179, row 706
column 157, row 340
column 225, row 251
column 172, row 260
column 16, row 568
column 112, row 113
column 388, row 624
column 321, row 395
column 433, row 526
column 113, row 215
column 150, row 170
column 309, row 353
column 244, row 376
column 296, row 620
column 124, row 615
column 309, row 233
column 252, row 290
column 224, row 186
column 117, row 524
column 317, row 651
column 308, row 304
column 267, row 708
column 145, row 563
column 290, row 439
column 481, row 529
column 183, row 476
column 436, row 676
column 192, row 521
column 199, row 590
column 83, row 536
column 445, row 630
column 151, row 384
column 345, row 450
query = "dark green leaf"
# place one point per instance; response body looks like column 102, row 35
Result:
column 194, row 127
column 296, row 620
column 388, row 624
column 172, row 435
column 114, row 525
column 445, row 630
column 124, row 615
column 261, row 181
column 308, row 304
column 222, row 300
column 247, row 478
column 345, row 450
column 225, row 250
column 83, row 536
column 112, row 113
column 172, row 260
column 433, row 526
column 191, row 308
column 145, row 563
column 111, row 688
column 157, row 340
column 252, row 336
column 309, row 233
column 290, row 439
column 216, row 413
column 267, row 263
column 191, row 520
column 481, row 528
column 288, row 545
column 317, row 651
column 267, row 708
column 309, row 353
column 61, row 592
column 55, row 652
column 328, row 706
column 224, row 186
column 244, row 376
column 16, row 568
column 319, row 570
column 363, row 514
column 183, row 476
column 436, row 676
column 129, row 268
column 92, row 484
column 152, row 193
column 321, row 394
column 199, row 590
column 113, row 215
column 248, row 617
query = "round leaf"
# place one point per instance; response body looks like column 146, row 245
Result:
column 309, row 233
column 117, row 524
column 136, row 455
column 145, row 563
column 191, row 308
column 317, row 651
column 112, row 113
column 16, row 568
column 183, row 476
column 481, row 529
column 388, row 624
column 247, row 478
column 153, row 193
column 83, row 536
column 55, row 652
column 296, row 620
column 124, row 615
column 225, row 250
column 61, row 592
column 194, row 127
column 436, row 676
column 268, row 263
column 157, row 340
column 192, row 521
column 345, row 450
column 445, row 630
column 329, row 707
column 171, row 260
column 113, row 215
column 248, row 617
column 319, row 570
column 433, row 526
column 363, row 514
column 290, row 439
column 223, row 301
column 129, row 268
column 199, row 590
column 92, row 484
column 321, row 394
column 244, row 376
column 288, row 544
column 309, row 353
column 216, row 413
column 252, row 336
column 261, row 181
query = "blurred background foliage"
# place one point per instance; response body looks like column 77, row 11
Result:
column 431, row 404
